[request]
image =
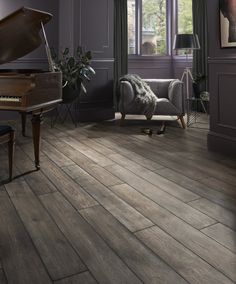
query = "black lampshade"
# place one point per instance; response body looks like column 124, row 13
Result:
column 186, row 41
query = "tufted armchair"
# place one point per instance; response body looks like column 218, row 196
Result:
column 170, row 98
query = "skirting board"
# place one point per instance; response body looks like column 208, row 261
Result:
column 221, row 143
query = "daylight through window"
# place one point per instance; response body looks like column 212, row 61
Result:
column 148, row 25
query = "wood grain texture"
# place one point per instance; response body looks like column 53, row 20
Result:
column 90, row 153
column 73, row 192
column 127, row 215
column 38, row 182
column 89, row 245
column 215, row 254
column 223, row 235
column 82, row 278
column 148, row 267
column 155, row 204
column 183, row 260
column 87, row 164
column 177, row 207
column 163, row 183
column 199, row 188
column 54, row 249
column 220, row 186
column 19, row 258
column 216, row 211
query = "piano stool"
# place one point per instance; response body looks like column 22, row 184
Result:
column 7, row 135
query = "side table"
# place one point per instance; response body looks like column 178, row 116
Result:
column 192, row 109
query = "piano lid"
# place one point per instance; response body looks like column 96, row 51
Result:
column 20, row 33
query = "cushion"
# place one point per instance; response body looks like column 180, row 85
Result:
column 5, row 129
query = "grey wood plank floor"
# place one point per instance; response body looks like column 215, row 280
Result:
column 112, row 205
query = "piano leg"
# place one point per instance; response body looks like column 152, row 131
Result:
column 23, row 123
column 36, row 130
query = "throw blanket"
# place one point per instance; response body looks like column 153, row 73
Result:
column 144, row 96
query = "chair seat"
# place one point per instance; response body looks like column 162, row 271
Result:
column 5, row 129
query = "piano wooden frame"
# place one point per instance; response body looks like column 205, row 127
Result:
column 27, row 91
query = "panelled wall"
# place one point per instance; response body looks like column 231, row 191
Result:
column 222, row 86
column 89, row 24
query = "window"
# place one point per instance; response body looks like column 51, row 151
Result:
column 184, row 16
column 147, row 21
column 131, row 26
column 184, row 20
column 149, row 30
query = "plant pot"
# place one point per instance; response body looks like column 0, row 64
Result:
column 196, row 90
column 69, row 94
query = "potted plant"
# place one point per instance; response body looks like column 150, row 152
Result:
column 76, row 71
column 198, row 80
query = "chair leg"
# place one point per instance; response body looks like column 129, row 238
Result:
column 11, row 146
column 122, row 120
column 183, row 124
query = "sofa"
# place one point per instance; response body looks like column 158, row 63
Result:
column 170, row 100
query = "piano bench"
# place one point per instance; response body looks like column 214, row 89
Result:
column 7, row 135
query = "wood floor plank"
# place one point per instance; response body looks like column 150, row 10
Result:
column 36, row 179
column 177, row 207
column 209, row 167
column 186, row 263
column 199, row 188
column 78, row 197
column 163, row 183
column 82, row 278
column 216, row 211
column 104, row 264
column 148, row 267
column 55, row 155
column 90, row 153
column 68, row 151
column 166, row 159
column 206, row 248
column 223, row 235
column 57, row 254
column 94, row 169
column 19, row 258
column 130, row 154
column 128, row 216
column 220, row 186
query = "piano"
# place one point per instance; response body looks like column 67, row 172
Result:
column 31, row 92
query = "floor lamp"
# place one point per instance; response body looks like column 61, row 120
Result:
column 186, row 42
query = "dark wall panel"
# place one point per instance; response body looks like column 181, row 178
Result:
column 93, row 30
column 222, row 85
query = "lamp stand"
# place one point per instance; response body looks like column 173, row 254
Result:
column 186, row 74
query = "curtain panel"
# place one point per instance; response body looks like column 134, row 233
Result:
column 120, row 44
column 199, row 8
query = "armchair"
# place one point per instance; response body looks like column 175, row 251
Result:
column 170, row 98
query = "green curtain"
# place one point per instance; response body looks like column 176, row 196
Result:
column 200, row 28
column 120, row 43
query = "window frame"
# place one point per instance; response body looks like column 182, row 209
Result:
column 171, row 30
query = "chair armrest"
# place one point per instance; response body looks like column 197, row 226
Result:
column 176, row 95
column 126, row 95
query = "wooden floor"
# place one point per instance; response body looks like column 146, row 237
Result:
column 112, row 205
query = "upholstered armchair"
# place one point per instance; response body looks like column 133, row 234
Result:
column 168, row 91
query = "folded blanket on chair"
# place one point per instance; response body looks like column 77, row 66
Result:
column 144, row 96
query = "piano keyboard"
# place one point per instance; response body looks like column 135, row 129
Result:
column 10, row 99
